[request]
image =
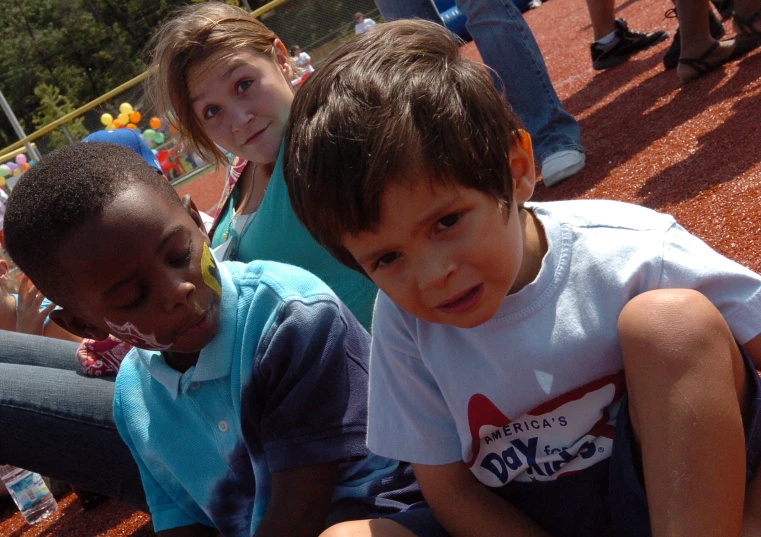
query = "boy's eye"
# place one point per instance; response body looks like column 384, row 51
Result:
column 243, row 85
column 135, row 303
column 448, row 221
column 210, row 112
column 184, row 258
column 386, row 260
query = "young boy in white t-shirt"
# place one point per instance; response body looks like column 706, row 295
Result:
column 503, row 328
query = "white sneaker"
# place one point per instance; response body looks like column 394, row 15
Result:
column 561, row 165
column 534, row 4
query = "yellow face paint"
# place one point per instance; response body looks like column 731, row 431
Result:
column 209, row 271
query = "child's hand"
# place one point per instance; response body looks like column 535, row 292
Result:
column 29, row 318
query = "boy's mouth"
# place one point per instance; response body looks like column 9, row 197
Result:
column 463, row 301
column 199, row 325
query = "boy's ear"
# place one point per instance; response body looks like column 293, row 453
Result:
column 194, row 213
column 76, row 325
column 522, row 167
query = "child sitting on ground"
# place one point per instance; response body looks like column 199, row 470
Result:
column 244, row 402
column 503, row 328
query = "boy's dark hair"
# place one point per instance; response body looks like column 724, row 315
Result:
column 396, row 104
column 60, row 193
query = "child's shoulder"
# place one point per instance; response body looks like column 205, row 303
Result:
column 614, row 215
column 288, row 283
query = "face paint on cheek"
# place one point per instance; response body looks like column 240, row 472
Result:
column 129, row 333
column 210, row 272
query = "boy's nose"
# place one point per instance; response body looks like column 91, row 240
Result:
column 435, row 272
column 178, row 295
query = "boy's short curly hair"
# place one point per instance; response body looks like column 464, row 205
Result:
column 395, row 104
column 59, row 194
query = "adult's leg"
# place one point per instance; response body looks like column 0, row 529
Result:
column 602, row 14
column 409, row 9
column 697, row 44
column 508, row 47
column 25, row 350
column 700, row 52
column 59, row 423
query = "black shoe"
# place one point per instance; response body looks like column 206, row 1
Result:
column 671, row 58
column 624, row 44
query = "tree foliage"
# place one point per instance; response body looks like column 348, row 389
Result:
column 52, row 106
column 82, row 48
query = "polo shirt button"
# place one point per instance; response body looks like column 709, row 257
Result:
column 223, row 426
column 195, row 385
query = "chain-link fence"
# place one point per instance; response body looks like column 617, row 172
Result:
column 317, row 27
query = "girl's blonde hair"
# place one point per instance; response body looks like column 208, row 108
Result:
column 191, row 36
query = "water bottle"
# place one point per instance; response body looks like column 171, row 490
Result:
column 30, row 493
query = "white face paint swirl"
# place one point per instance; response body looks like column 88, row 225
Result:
column 129, row 333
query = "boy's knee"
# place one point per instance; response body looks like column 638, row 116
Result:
column 681, row 324
column 681, row 315
column 338, row 530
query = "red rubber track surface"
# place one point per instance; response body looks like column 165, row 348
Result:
column 692, row 151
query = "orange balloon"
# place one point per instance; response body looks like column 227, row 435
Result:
column 155, row 123
column 24, row 166
column 117, row 124
column 131, row 126
column 135, row 116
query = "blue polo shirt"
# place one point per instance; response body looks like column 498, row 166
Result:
column 282, row 385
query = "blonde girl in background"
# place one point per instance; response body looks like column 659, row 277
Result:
column 226, row 79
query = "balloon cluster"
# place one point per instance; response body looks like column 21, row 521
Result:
column 14, row 168
column 129, row 118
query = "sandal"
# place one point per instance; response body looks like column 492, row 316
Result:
column 701, row 65
column 748, row 36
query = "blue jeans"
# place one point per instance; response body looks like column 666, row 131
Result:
column 59, row 423
column 508, row 47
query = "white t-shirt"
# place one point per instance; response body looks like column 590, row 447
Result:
column 533, row 393
column 365, row 25
column 302, row 60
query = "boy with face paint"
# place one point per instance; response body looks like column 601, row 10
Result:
column 244, row 399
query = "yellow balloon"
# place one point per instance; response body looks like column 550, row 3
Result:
column 123, row 118
column 111, row 127
column 106, row 119
column 17, row 171
column 125, row 108
column 2, row 181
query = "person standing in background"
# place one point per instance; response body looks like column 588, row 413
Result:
column 361, row 24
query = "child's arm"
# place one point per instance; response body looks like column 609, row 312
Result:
column 300, row 501
column 465, row 507
column 30, row 319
